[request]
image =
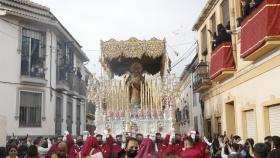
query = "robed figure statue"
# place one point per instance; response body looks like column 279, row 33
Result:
column 134, row 82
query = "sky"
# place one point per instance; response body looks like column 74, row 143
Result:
column 91, row 21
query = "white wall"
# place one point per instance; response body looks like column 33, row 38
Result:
column 3, row 130
column 186, row 93
column 10, row 62
column 253, row 92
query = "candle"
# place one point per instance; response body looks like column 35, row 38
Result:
column 146, row 95
column 141, row 95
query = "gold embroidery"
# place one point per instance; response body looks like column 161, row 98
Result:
column 226, row 46
column 266, row 38
column 133, row 48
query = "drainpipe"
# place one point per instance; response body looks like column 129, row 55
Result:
column 233, row 27
column 51, row 51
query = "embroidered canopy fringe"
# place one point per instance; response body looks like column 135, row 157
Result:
column 133, row 48
column 118, row 56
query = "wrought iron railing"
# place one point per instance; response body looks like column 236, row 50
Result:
column 201, row 74
column 72, row 81
column 36, row 71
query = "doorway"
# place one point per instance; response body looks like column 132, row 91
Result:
column 230, row 118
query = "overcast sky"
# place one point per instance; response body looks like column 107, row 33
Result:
column 90, row 21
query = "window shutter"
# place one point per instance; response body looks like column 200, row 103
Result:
column 274, row 120
column 225, row 9
column 204, row 39
column 251, row 124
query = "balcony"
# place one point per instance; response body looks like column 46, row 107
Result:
column 70, row 82
column 222, row 62
column 201, row 81
column 34, row 74
column 260, row 31
column 76, row 85
column 64, row 80
column 83, row 88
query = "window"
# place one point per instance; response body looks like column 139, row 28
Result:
column 78, row 124
column 30, row 109
column 69, row 120
column 195, row 123
column 194, row 99
column 204, row 41
column 225, row 12
column 213, row 23
column 69, row 56
column 32, row 54
column 60, row 54
column 65, row 61
column 58, row 116
column 209, row 127
column 219, row 123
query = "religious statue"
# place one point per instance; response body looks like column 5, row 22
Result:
column 178, row 115
column 134, row 83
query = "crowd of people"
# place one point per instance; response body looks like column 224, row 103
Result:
column 224, row 32
column 222, row 36
column 248, row 6
column 189, row 145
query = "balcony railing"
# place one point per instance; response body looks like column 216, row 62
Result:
column 201, row 81
column 260, row 31
column 76, row 84
column 64, row 80
column 32, row 73
column 222, row 62
column 83, row 88
column 35, row 71
column 69, row 81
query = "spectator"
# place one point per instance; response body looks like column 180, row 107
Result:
column 139, row 137
column 268, row 141
column 12, row 151
column 235, row 152
column 245, row 151
column 260, row 150
column 245, row 8
column 58, row 155
column 38, row 142
column 275, row 143
column 190, row 151
column 33, row 152
column 22, row 151
column 2, row 152
column 147, row 149
column 131, row 148
column 274, row 153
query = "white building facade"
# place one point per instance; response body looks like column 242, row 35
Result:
column 188, row 111
column 43, row 78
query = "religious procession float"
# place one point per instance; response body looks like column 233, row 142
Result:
column 136, row 88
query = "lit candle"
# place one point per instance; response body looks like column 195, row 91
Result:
column 141, row 95
column 127, row 96
column 156, row 95
column 122, row 95
column 146, row 95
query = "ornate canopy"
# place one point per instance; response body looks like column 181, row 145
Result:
column 118, row 56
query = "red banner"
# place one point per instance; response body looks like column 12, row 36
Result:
column 221, row 59
column 262, row 23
